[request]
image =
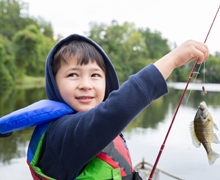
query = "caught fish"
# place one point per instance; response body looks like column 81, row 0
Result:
column 202, row 131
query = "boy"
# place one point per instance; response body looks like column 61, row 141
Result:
column 88, row 144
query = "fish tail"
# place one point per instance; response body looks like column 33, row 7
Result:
column 212, row 156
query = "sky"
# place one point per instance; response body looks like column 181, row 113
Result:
column 177, row 20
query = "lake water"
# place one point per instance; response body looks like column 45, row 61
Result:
column 144, row 135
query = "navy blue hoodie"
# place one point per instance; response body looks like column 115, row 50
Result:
column 73, row 140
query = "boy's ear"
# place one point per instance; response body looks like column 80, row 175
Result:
column 6, row 134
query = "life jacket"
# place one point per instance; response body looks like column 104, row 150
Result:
column 113, row 163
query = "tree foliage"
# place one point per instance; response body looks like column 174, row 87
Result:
column 7, row 66
column 24, row 42
column 130, row 49
column 31, row 48
column 14, row 17
column 212, row 69
column 125, row 45
column 157, row 45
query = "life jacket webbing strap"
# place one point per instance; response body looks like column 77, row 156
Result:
column 35, row 171
column 35, row 175
column 110, row 161
column 116, row 152
column 123, row 149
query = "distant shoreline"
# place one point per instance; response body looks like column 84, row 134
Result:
column 31, row 82
column 214, row 87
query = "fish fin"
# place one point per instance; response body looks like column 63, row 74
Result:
column 195, row 140
column 212, row 156
column 215, row 126
column 215, row 139
column 208, row 121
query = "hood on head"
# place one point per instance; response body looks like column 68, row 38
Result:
column 51, row 87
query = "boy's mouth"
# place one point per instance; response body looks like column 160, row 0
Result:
column 84, row 99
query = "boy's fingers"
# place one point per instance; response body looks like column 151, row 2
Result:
column 203, row 49
column 200, row 56
column 201, row 52
column 197, row 50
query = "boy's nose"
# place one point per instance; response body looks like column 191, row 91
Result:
column 85, row 85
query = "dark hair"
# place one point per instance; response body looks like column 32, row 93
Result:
column 84, row 52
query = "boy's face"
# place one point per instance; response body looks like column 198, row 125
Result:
column 82, row 87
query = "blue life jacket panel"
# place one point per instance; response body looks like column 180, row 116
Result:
column 35, row 114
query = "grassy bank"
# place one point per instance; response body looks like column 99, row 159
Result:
column 31, row 82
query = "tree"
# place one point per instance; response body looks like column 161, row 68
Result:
column 7, row 66
column 217, row 54
column 24, row 42
column 124, row 45
column 180, row 74
column 212, row 69
column 10, row 17
column 45, row 27
column 31, row 48
column 157, row 46
column 14, row 17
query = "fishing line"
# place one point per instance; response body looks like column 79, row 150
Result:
column 204, row 70
column 203, row 88
column 187, row 99
column 164, row 142
column 197, row 73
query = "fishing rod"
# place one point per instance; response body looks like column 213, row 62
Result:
column 164, row 142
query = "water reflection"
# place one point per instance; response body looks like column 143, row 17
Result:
column 156, row 112
column 13, row 99
column 14, row 146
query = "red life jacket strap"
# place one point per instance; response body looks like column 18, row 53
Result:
column 117, row 155
column 35, row 175
column 120, row 146
column 111, row 162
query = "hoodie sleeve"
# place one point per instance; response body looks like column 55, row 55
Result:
column 73, row 140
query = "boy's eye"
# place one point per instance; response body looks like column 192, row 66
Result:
column 72, row 75
column 95, row 75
